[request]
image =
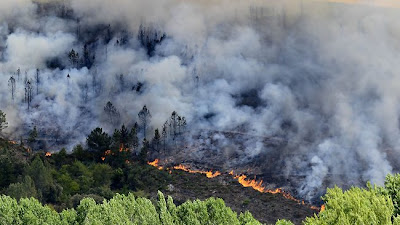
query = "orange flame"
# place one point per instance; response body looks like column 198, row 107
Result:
column 13, row 142
column 209, row 174
column 257, row 185
column 48, row 154
column 107, row 152
column 155, row 164
column 243, row 180
column 103, row 158
column 322, row 208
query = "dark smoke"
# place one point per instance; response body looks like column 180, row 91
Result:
column 310, row 88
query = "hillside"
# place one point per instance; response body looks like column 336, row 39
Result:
column 62, row 180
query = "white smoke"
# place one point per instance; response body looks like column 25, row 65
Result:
column 321, row 76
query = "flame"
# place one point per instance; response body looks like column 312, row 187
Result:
column 258, row 185
column 107, row 152
column 122, row 148
column 13, row 142
column 242, row 179
column 155, row 164
column 48, row 154
column 103, row 158
column 322, row 208
column 209, row 174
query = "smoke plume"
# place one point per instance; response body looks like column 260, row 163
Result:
column 312, row 84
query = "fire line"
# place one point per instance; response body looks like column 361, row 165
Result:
column 242, row 179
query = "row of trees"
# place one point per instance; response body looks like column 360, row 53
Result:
column 124, row 209
column 174, row 127
column 28, row 86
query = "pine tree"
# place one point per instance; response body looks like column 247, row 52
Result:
column 112, row 113
column 144, row 116
column 11, row 83
column 156, row 139
column 133, row 137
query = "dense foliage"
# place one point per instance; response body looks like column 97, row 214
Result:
column 373, row 205
column 123, row 209
column 62, row 179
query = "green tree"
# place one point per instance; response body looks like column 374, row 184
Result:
column 98, row 141
column 283, row 222
column 47, row 190
column 165, row 215
column 144, row 152
column 133, row 137
column 24, row 189
column 102, row 175
column 33, row 135
column 392, row 189
column 354, row 206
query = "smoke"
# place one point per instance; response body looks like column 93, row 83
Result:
column 311, row 84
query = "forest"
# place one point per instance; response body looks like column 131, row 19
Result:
column 82, row 187
column 298, row 97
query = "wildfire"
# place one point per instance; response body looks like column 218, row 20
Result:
column 243, row 180
column 258, row 185
column 13, row 142
column 48, row 154
column 107, row 152
column 209, row 174
column 155, row 164
column 122, row 148
column 322, row 208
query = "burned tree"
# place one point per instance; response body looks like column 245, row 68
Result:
column 112, row 113
column 32, row 141
column 18, row 73
column 37, row 81
column 174, row 124
column 28, row 93
column 164, row 134
column 87, row 57
column 149, row 38
column 144, row 116
column 73, row 58
column 183, row 124
column 133, row 137
column 85, row 93
column 11, row 84
column 156, row 139
column 177, row 125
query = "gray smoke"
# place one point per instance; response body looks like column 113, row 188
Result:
column 322, row 77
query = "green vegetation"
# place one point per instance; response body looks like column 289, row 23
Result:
column 123, row 209
column 62, row 179
column 373, row 205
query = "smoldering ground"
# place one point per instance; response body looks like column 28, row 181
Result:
column 321, row 78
